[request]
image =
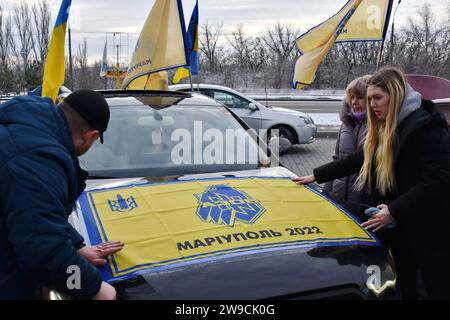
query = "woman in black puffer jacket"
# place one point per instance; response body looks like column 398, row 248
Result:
column 405, row 167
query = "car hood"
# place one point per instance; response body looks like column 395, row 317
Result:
column 287, row 111
column 285, row 272
column 305, row 273
column 262, row 172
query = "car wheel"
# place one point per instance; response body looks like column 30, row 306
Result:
column 283, row 132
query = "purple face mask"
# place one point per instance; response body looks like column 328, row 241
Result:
column 359, row 114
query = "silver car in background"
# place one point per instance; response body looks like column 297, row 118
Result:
column 296, row 126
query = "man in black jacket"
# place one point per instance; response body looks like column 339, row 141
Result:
column 40, row 181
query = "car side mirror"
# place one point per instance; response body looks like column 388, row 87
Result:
column 252, row 106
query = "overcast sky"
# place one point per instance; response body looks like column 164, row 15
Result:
column 93, row 18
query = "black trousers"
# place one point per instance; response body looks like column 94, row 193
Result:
column 418, row 260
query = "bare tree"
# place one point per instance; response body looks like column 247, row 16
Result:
column 241, row 48
column 280, row 43
column 6, row 73
column 424, row 45
column 240, row 43
column 22, row 50
column 5, row 38
column 256, row 55
column 23, row 24
column 81, row 63
column 41, row 19
column 208, row 44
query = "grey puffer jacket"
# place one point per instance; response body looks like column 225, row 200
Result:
column 350, row 138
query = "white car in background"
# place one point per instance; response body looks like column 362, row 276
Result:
column 296, row 126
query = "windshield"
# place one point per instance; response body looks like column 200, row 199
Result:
column 142, row 141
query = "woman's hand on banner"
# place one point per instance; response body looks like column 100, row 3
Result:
column 304, row 179
column 379, row 220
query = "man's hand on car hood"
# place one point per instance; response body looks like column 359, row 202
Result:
column 96, row 255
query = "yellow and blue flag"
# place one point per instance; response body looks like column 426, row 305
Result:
column 161, row 44
column 211, row 219
column 192, row 40
column 54, row 69
column 358, row 20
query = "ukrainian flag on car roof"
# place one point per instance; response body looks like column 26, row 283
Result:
column 54, row 69
column 192, row 40
column 358, row 20
column 161, row 44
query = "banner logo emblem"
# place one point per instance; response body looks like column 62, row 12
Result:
column 224, row 205
column 122, row 205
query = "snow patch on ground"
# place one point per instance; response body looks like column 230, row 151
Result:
column 260, row 93
column 326, row 119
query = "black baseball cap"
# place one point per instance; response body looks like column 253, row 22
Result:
column 92, row 106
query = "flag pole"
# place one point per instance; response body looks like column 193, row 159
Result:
column 380, row 54
column 190, row 79
column 391, row 53
column 70, row 59
column 392, row 34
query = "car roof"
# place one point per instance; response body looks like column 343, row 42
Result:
column 430, row 87
column 156, row 99
column 204, row 86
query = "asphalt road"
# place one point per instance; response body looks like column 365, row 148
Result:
column 307, row 106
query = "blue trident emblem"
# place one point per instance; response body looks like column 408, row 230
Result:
column 222, row 204
column 122, row 205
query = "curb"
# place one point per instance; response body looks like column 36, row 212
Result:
column 327, row 134
column 326, row 131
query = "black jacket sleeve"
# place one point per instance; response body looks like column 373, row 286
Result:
column 432, row 147
column 34, row 201
column 77, row 239
column 328, row 187
column 340, row 168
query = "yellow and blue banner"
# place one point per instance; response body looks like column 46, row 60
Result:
column 54, row 69
column 161, row 44
column 212, row 219
column 358, row 20
column 192, row 41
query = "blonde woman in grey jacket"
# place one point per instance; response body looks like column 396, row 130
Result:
column 350, row 138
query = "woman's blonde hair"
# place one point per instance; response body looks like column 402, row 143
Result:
column 380, row 140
